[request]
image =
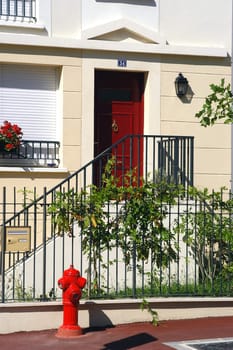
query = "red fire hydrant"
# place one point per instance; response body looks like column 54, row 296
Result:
column 72, row 284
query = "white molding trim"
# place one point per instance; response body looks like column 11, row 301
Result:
column 124, row 24
column 21, row 25
column 102, row 45
column 32, row 170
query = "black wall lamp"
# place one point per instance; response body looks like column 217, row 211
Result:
column 181, row 85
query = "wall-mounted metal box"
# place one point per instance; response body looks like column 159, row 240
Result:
column 18, row 238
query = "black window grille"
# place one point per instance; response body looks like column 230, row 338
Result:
column 18, row 8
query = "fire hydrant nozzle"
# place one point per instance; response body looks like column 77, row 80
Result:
column 71, row 284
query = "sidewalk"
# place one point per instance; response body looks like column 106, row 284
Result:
column 141, row 336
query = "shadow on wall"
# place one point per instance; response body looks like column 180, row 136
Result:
column 97, row 318
column 134, row 2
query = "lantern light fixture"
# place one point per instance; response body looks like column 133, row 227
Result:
column 181, row 85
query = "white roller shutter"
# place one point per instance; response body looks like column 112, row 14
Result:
column 28, row 97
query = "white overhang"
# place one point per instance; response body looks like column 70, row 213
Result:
column 104, row 45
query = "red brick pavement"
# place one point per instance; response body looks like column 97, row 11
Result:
column 141, row 336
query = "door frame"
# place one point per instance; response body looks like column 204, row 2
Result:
column 119, row 98
column 134, row 81
column 141, row 63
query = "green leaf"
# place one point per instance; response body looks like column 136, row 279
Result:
column 217, row 105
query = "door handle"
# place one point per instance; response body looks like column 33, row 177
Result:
column 114, row 126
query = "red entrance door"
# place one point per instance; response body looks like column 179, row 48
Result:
column 118, row 112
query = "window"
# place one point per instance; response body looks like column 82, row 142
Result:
column 28, row 97
column 17, row 8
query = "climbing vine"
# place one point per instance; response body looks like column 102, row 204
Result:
column 217, row 105
column 137, row 227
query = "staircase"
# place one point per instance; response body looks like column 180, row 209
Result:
column 33, row 274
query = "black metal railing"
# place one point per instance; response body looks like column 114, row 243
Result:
column 34, row 272
column 32, row 153
column 18, row 8
column 167, row 157
column 199, row 236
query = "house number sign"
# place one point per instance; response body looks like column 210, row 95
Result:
column 121, row 62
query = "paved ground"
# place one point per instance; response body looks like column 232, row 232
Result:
column 141, row 336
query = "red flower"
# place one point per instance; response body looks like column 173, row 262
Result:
column 11, row 135
column 9, row 146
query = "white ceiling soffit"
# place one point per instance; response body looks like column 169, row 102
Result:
column 123, row 30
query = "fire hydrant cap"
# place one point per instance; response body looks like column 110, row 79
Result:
column 72, row 272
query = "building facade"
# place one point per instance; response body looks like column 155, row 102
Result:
column 61, row 59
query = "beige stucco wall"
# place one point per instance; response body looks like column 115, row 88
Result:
column 212, row 157
column 69, row 68
column 164, row 112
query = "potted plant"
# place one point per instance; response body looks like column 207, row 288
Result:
column 10, row 136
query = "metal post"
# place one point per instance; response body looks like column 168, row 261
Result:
column 44, row 246
column 3, row 246
column 232, row 92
